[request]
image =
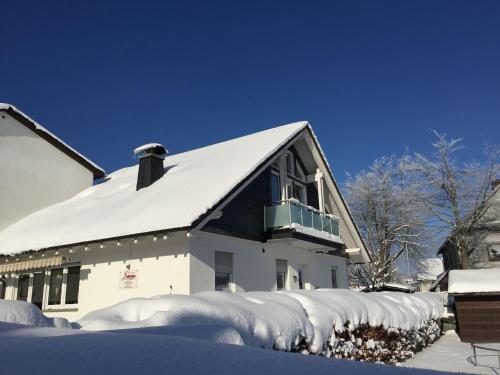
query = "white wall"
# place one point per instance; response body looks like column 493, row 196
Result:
column 33, row 173
column 254, row 269
column 159, row 264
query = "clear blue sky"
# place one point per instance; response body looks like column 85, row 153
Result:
column 372, row 77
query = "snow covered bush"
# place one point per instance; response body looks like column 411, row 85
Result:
column 20, row 312
column 379, row 327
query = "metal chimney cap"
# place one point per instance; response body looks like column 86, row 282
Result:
column 150, row 149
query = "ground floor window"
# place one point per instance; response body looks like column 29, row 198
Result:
column 223, row 271
column 301, row 279
column 281, row 273
column 55, row 287
column 334, row 278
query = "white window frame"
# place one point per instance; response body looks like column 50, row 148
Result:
column 45, row 300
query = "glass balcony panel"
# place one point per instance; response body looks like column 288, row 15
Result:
column 327, row 224
column 317, row 224
column 307, row 216
column 295, row 213
column 277, row 216
column 335, row 227
column 283, row 214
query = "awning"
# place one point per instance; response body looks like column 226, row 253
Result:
column 30, row 264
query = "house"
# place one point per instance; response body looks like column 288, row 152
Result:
column 484, row 238
column 30, row 154
column 259, row 212
column 430, row 270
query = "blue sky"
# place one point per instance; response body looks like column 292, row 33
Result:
column 372, row 77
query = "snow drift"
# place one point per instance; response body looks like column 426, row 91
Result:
column 291, row 321
column 19, row 312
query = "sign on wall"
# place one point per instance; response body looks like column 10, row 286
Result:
column 129, row 279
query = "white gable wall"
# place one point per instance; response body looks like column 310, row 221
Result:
column 33, row 173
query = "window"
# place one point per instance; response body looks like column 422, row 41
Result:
column 299, row 192
column 37, row 289
column 299, row 172
column 55, row 286
column 301, row 279
column 281, row 273
column 494, row 251
column 72, row 285
column 289, row 163
column 275, row 187
column 223, row 271
column 23, row 287
column 334, row 278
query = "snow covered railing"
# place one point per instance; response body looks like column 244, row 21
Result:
column 291, row 213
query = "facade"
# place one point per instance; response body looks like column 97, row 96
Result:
column 484, row 238
column 260, row 212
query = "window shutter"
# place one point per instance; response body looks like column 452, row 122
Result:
column 223, row 262
column 281, row 265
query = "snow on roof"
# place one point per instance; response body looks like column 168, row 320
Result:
column 96, row 170
column 431, row 268
column 474, row 281
column 193, row 183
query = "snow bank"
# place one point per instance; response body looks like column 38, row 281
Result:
column 474, row 281
column 62, row 351
column 19, row 312
column 290, row 321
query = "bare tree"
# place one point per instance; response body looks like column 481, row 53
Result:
column 455, row 195
column 384, row 202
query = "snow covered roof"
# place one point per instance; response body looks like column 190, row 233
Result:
column 431, row 268
column 474, row 281
column 194, row 182
column 24, row 119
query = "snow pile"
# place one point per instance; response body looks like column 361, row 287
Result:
column 19, row 312
column 262, row 319
column 474, row 281
column 431, row 268
column 315, row 322
column 62, row 351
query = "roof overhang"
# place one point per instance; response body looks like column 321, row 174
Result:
column 25, row 120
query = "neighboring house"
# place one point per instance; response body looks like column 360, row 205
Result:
column 260, row 212
column 38, row 169
column 430, row 271
column 485, row 241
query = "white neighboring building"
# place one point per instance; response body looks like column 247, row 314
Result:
column 37, row 168
column 260, row 212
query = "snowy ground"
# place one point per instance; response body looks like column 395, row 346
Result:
column 48, row 350
column 450, row 354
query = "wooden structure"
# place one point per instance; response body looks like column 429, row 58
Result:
column 478, row 316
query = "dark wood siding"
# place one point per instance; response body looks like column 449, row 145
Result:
column 478, row 318
column 244, row 216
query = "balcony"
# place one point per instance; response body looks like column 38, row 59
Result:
column 291, row 216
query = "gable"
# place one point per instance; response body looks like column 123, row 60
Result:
column 43, row 133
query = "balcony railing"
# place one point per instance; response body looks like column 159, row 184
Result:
column 293, row 214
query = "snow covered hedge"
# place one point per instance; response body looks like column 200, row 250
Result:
column 387, row 326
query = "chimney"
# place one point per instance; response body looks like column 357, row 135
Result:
column 150, row 164
column 495, row 183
